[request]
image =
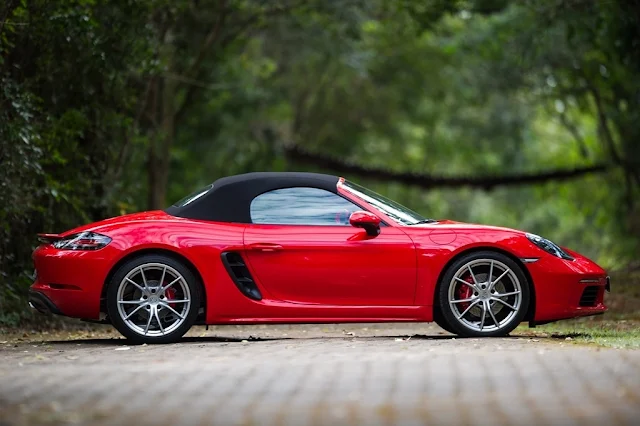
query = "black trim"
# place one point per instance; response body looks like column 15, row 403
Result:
column 533, row 324
column 589, row 296
column 42, row 303
column 239, row 273
column 229, row 199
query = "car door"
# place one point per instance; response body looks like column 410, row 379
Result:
column 301, row 249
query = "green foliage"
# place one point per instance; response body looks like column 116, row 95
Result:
column 108, row 107
column 66, row 100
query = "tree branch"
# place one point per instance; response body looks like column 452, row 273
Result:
column 211, row 38
column 234, row 31
column 8, row 10
column 296, row 153
column 267, row 13
column 194, row 69
column 604, row 124
column 573, row 129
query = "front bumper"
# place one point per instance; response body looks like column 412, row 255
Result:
column 568, row 288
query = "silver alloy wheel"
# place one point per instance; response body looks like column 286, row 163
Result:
column 153, row 299
column 485, row 295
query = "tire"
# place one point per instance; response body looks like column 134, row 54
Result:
column 474, row 305
column 143, row 310
column 438, row 318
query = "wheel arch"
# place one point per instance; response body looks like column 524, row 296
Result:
column 531, row 309
column 166, row 252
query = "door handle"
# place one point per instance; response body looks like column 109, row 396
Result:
column 265, row 247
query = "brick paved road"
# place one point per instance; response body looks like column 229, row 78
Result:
column 319, row 375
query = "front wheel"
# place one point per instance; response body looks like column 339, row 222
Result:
column 153, row 299
column 484, row 294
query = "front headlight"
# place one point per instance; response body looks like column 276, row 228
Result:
column 548, row 246
column 83, row 241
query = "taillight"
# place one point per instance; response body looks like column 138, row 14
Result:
column 82, row 241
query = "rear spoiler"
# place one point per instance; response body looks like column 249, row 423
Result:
column 49, row 238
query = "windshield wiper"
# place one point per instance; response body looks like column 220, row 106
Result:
column 424, row 221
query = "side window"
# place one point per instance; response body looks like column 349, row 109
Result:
column 301, row 206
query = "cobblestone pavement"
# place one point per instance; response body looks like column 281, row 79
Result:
column 319, row 375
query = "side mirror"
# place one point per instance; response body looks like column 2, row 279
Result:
column 368, row 221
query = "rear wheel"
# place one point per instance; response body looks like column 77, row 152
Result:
column 153, row 299
column 484, row 294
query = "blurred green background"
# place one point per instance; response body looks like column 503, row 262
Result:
column 516, row 113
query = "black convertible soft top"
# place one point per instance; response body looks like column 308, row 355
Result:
column 229, row 198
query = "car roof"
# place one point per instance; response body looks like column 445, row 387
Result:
column 229, row 198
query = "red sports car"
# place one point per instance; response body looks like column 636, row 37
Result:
column 306, row 248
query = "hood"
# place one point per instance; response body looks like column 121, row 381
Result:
column 452, row 225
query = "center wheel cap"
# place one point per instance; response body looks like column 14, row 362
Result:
column 153, row 299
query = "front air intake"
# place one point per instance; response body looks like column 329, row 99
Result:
column 239, row 273
column 589, row 296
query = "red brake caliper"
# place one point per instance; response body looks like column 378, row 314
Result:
column 170, row 293
column 464, row 292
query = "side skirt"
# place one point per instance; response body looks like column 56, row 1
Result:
column 318, row 314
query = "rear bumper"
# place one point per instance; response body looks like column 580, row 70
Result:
column 42, row 303
column 71, row 281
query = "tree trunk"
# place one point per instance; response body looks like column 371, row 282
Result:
column 160, row 161
column 154, row 191
column 161, row 142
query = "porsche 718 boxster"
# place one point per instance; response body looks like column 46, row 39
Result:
column 306, row 248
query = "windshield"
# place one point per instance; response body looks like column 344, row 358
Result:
column 395, row 211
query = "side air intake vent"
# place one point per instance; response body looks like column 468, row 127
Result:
column 240, row 274
column 589, row 296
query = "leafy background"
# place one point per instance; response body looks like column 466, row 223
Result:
column 108, row 107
